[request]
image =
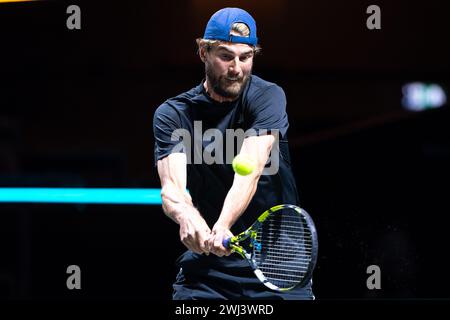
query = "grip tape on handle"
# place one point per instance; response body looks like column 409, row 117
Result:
column 226, row 242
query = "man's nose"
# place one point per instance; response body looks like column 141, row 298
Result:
column 235, row 66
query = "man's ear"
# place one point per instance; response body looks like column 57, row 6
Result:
column 202, row 53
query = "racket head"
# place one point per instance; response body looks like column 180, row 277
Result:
column 282, row 247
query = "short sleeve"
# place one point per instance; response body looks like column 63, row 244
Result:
column 267, row 111
column 165, row 121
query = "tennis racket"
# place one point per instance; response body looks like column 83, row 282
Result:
column 281, row 247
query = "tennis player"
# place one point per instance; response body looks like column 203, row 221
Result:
column 220, row 203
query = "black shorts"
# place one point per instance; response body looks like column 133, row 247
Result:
column 225, row 278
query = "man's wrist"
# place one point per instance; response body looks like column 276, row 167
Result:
column 186, row 211
column 222, row 224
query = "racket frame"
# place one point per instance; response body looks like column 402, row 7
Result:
column 251, row 232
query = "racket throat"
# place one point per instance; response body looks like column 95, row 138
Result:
column 264, row 280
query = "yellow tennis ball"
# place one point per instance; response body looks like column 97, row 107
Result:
column 243, row 164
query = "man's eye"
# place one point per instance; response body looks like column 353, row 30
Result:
column 226, row 57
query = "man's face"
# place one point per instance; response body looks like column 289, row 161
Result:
column 228, row 68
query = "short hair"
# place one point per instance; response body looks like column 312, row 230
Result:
column 238, row 28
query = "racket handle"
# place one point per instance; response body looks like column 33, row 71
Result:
column 226, row 242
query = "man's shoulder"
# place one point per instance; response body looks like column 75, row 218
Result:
column 180, row 102
column 260, row 86
column 258, row 82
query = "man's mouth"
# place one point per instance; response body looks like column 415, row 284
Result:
column 232, row 79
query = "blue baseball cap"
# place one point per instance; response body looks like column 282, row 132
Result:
column 221, row 22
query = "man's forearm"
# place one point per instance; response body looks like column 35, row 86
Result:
column 177, row 203
column 244, row 187
column 237, row 200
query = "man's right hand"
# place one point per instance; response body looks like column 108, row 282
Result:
column 194, row 232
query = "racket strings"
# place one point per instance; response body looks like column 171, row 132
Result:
column 285, row 248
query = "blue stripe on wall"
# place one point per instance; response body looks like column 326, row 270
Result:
column 81, row 195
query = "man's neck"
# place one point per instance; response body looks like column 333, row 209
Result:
column 213, row 94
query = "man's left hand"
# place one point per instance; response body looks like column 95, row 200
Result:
column 214, row 243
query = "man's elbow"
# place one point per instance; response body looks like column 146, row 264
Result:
column 260, row 167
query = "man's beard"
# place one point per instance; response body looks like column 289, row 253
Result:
column 223, row 87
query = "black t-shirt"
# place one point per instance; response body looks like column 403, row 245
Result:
column 261, row 106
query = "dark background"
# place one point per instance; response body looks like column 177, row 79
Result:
column 76, row 110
